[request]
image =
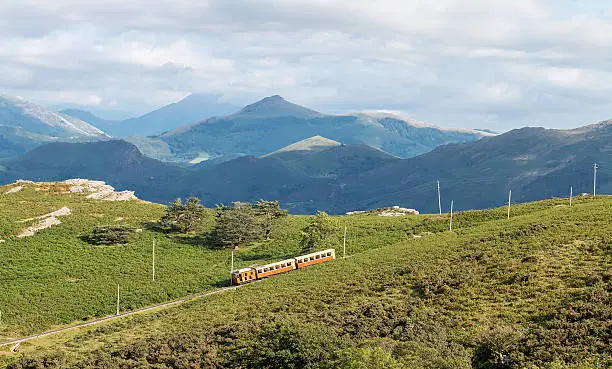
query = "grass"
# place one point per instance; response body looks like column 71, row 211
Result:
column 529, row 292
column 55, row 278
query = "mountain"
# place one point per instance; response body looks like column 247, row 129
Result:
column 535, row 163
column 24, row 126
column 86, row 116
column 273, row 122
column 116, row 162
column 275, row 106
column 308, row 145
column 36, row 119
column 192, row 108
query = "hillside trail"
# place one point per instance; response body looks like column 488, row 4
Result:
column 18, row 341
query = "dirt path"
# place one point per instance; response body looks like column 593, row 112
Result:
column 18, row 341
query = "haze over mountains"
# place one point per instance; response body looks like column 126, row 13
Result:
column 200, row 128
column 320, row 174
column 24, row 125
column 273, row 123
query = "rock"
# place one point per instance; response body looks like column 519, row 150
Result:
column 14, row 189
column 45, row 221
column 98, row 190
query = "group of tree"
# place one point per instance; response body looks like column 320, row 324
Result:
column 236, row 225
column 243, row 222
column 181, row 217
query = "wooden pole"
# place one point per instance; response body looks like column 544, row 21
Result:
column 232, row 268
column 117, row 298
column 509, row 200
column 594, row 177
column 154, row 260
column 344, row 244
column 450, row 228
column 439, row 202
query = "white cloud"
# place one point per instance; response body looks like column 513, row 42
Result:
column 459, row 62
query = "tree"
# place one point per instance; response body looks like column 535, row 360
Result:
column 110, row 235
column 237, row 225
column 316, row 233
column 182, row 217
column 268, row 211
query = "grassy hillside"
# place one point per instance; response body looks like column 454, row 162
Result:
column 529, row 292
column 55, row 278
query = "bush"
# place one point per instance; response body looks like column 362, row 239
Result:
column 110, row 235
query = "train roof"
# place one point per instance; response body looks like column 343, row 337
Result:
column 315, row 253
column 287, row 261
column 243, row 270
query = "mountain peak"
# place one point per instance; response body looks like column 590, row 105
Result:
column 276, row 106
column 314, row 143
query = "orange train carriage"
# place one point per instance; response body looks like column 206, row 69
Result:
column 250, row 274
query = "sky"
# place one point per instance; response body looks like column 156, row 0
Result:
column 457, row 63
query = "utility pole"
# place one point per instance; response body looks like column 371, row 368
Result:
column 571, row 194
column 450, row 228
column 117, row 299
column 509, row 199
column 439, row 203
column 232, row 265
column 344, row 244
column 154, row 260
column 595, row 166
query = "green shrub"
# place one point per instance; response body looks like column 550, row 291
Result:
column 110, row 235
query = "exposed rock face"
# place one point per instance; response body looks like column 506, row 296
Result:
column 394, row 211
column 14, row 189
column 98, row 190
column 45, row 221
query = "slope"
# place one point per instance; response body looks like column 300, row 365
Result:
column 56, row 278
column 117, row 162
column 273, row 123
column 192, row 108
column 532, row 291
column 36, row 119
column 534, row 163
column 24, row 125
column 86, row 116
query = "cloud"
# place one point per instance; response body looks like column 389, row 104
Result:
column 469, row 63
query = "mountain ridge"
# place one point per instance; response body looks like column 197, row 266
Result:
column 534, row 163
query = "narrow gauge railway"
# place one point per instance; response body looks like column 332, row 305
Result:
column 250, row 274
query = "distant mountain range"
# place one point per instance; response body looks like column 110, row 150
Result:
column 24, row 125
column 323, row 174
column 193, row 136
column 273, row 122
column 192, row 108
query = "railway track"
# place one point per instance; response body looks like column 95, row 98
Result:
column 109, row 318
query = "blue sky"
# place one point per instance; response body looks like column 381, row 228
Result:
column 459, row 63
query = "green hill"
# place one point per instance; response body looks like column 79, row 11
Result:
column 529, row 292
column 55, row 277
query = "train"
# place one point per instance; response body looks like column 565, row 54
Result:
column 250, row 274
